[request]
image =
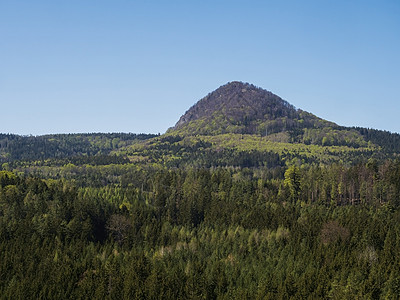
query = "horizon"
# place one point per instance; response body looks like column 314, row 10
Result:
column 137, row 67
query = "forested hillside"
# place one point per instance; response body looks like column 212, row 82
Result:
column 242, row 108
column 246, row 197
column 27, row 148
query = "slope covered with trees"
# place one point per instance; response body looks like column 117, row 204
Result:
column 15, row 147
column 242, row 108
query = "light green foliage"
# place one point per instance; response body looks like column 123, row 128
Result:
column 174, row 149
column 7, row 178
column 293, row 182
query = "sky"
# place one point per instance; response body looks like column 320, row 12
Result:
column 137, row 66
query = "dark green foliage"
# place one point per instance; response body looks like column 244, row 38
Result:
column 390, row 142
column 15, row 147
column 224, row 233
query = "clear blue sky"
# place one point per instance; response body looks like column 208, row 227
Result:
column 136, row 66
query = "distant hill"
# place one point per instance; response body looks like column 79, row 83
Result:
column 16, row 147
column 238, row 107
column 242, row 108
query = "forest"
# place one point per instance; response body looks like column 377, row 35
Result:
column 156, row 232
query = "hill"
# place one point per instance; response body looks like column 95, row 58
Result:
column 238, row 107
column 242, row 108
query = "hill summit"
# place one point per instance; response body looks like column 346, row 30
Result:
column 242, row 108
column 238, row 107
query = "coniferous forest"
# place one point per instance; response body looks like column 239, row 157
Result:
column 305, row 212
